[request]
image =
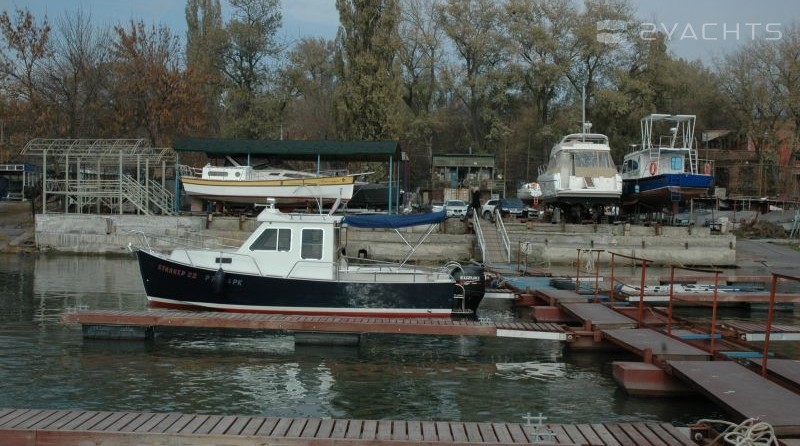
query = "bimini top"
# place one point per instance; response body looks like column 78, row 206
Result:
column 394, row 221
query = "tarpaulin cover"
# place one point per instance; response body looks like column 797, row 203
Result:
column 394, row 221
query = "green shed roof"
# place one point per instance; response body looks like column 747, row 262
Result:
column 297, row 150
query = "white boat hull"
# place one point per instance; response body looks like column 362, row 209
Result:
column 257, row 191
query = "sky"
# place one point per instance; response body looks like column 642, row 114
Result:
column 699, row 29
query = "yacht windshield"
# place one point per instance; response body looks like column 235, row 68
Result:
column 593, row 159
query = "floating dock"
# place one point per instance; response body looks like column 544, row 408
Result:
column 134, row 324
column 32, row 427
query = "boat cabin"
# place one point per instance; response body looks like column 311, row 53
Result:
column 284, row 245
column 582, row 155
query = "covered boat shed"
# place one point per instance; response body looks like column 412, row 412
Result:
column 296, row 150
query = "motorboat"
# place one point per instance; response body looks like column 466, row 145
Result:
column 244, row 184
column 529, row 193
column 580, row 177
column 666, row 172
column 296, row 263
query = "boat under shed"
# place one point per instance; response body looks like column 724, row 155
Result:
column 323, row 154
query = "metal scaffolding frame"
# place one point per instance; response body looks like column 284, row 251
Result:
column 107, row 174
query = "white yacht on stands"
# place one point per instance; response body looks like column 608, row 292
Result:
column 580, row 178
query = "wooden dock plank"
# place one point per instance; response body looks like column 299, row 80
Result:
column 53, row 418
column 501, row 433
column 238, row 425
column 487, row 432
column 308, row 428
column 606, row 437
column 136, row 422
column 252, row 426
column 743, row 392
column 517, row 433
column 325, row 429
column 369, row 430
column 27, row 420
column 194, row 424
column 179, row 424
column 296, row 427
column 588, row 432
column 77, row 421
column 414, row 430
column 165, row 423
column 671, row 435
column 122, row 421
column 633, row 434
column 473, row 433
column 339, row 428
column 281, row 427
column 559, row 435
column 622, row 438
column 429, row 431
column 648, row 433
column 443, row 431
column 399, row 430
column 18, row 416
column 90, row 424
column 354, row 429
column 575, row 435
column 267, row 426
column 459, row 433
column 224, row 424
column 662, row 346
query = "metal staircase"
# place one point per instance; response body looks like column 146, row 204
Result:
column 493, row 247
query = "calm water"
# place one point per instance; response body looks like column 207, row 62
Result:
column 44, row 364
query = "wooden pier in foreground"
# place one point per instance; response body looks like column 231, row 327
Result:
column 150, row 319
column 20, row 427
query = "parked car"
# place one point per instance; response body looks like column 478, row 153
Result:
column 456, row 208
column 512, row 206
column 487, row 210
column 437, row 206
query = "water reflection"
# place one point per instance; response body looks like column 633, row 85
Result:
column 44, row 364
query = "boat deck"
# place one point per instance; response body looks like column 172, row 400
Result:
column 324, row 324
column 73, row 427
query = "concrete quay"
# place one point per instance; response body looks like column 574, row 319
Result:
column 531, row 242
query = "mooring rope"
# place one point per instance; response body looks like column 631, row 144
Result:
column 750, row 432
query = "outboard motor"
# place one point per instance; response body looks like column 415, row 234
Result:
column 472, row 280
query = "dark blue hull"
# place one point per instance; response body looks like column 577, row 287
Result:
column 665, row 188
column 173, row 284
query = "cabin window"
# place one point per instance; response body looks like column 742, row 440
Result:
column 273, row 239
column 677, row 163
column 217, row 173
column 312, row 244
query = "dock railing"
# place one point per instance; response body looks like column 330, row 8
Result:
column 644, row 262
column 501, row 231
column 596, row 267
column 476, row 225
column 712, row 331
column 771, row 315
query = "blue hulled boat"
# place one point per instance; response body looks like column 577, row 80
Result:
column 666, row 172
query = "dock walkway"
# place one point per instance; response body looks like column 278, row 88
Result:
column 743, row 392
column 75, row 427
column 660, row 345
column 324, row 324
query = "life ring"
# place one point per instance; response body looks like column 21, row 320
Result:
column 653, row 168
column 707, row 169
